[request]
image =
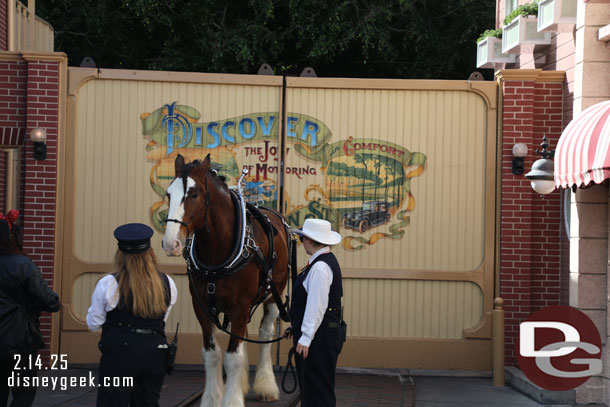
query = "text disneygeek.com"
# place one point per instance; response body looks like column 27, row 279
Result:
column 65, row 382
column 57, row 363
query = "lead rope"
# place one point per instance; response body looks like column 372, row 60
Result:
column 290, row 367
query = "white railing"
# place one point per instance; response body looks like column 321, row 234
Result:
column 27, row 32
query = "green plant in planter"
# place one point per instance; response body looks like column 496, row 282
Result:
column 490, row 33
column 529, row 9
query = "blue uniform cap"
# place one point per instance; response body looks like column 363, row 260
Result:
column 133, row 237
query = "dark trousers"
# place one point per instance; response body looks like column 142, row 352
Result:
column 22, row 396
column 131, row 355
column 316, row 373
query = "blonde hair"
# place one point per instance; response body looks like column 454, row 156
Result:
column 138, row 276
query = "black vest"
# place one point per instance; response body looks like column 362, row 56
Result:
column 299, row 295
column 122, row 317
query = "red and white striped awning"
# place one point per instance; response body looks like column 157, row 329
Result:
column 583, row 150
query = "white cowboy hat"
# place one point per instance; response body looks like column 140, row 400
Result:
column 320, row 231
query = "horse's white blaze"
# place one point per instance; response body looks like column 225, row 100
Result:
column 234, row 366
column 265, row 387
column 172, row 242
column 213, row 378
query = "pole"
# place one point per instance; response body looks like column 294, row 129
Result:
column 498, row 342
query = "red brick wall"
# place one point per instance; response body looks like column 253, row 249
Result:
column 41, row 175
column 13, row 83
column 3, row 26
column 29, row 94
column 530, row 224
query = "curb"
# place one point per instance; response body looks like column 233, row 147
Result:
column 518, row 381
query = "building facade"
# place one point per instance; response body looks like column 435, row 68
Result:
column 568, row 260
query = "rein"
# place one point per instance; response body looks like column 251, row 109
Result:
column 179, row 222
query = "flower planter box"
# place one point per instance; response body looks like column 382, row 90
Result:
column 489, row 51
column 557, row 15
column 522, row 31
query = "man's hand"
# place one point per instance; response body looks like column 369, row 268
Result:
column 302, row 350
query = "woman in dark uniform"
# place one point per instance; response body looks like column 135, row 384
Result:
column 316, row 315
column 131, row 306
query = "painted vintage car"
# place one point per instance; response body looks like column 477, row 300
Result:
column 373, row 213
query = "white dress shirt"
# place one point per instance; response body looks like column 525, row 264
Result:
column 105, row 298
column 317, row 284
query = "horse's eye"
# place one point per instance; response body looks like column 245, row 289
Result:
column 195, row 195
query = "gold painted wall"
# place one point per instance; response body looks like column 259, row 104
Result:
column 446, row 230
column 374, row 308
column 430, row 279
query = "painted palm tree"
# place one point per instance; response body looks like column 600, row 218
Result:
column 361, row 159
column 394, row 168
column 401, row 173
column 377, row 165
column 390, row 172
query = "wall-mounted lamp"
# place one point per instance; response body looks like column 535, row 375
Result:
column 39, row 138
column 541, row 174
column 519, row 151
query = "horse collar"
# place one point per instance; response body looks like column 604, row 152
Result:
column 240, row 254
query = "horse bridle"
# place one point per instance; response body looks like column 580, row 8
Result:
column 205, row 214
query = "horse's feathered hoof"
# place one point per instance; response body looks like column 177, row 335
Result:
column 267, row 398
column 265, row 387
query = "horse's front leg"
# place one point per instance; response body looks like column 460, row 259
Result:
column 212, row 356
column 265, row 386
column 236, row 363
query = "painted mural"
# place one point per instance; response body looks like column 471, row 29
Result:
column 366, row 181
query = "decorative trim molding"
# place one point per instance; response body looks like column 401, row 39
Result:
column 11, row 56
column 534, row 75
column 32, row 56
column 44, row 56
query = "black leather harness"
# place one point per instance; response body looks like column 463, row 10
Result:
column 241, row 255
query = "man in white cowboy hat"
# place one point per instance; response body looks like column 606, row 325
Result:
column 317, row 324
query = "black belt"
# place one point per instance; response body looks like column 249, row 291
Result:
column 144, row 331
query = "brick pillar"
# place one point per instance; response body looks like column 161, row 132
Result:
column 529, row 224
column 40, row 180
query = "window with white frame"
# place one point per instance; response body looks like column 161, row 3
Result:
column 509, row 6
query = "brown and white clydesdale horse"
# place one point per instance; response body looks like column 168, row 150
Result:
column 202, row 206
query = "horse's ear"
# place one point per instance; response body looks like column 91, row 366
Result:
column 178, row 165
column 207, row 160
